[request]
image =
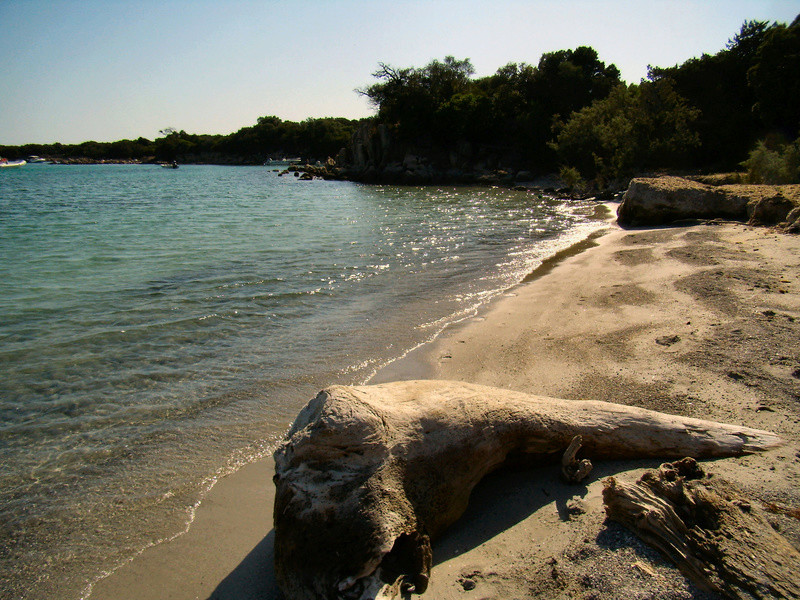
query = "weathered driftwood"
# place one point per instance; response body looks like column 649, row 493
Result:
column 574, row 470
column 367, row 476
column 716, row 537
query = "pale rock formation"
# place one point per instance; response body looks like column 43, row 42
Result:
column 663, row 200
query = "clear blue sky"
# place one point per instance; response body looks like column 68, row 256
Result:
column 103, row 70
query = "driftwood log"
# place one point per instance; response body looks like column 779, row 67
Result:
column 718, row 538
column 367, row 476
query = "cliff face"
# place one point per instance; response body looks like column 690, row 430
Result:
column 375, row 156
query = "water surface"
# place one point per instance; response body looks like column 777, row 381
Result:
column 159, row 328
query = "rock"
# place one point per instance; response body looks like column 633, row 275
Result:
column 468, row 584
column 411, row 162
column 792, row 224
column 393, row 171
column 524, row 176
column 370, row 175
column 367, row 476
column 770, row 210
column 342, row 157
column 662, row 200
column 575, row 506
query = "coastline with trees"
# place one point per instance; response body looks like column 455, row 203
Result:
column 569, row 114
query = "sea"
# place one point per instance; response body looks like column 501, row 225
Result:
column 161, row 328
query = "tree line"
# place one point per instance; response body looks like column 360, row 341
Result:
column 570, row 111
column 270, row 137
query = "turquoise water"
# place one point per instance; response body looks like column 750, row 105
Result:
column 159, row 328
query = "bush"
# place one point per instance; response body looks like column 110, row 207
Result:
column 635, row 128
column 571, row 177
column 775, row 166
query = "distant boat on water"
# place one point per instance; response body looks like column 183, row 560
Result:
column 6, row 164
column 281, row 161
column 36, row 159
column 172, row 165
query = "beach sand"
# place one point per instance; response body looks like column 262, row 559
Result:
column 702, row 320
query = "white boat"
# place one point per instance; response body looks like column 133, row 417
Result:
column 36, row 159
column 6, row 164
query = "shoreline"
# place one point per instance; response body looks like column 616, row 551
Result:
column 245, row 580
column 586, row 326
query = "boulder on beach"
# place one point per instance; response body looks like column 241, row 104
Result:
column 663, row 200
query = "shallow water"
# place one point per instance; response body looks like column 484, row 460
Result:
column 159, row 328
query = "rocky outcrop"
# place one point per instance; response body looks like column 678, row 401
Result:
column 663, row 200
column 660, row 200
column 369, row 475
column 374, row 156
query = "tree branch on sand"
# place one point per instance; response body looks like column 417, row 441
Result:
column 368, row 476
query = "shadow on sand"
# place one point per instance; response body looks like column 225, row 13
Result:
column 500, row 501
column 254, row 577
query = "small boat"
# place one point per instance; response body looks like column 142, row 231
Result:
column 281, row 161
column 5, row 163
column 172, row 165
column 36, row 159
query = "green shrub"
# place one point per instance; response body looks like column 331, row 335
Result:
column 776, row 166
column 571, row 177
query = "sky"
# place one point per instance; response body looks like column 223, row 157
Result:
column 105, row 70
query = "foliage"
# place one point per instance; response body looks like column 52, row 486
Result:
column 269, row 137
column 569, row 108
column 440, row 105
column 717, row 86
column 571, row 177
column 775, row 79
column 774, row 163
column 636, row 127
column 119, row 150
column 410, row 99
column 743, row 92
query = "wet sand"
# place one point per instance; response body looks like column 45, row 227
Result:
column 701, row 320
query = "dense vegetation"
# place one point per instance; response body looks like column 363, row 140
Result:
column 512, row 111
column 270, row 137
column 570, row 111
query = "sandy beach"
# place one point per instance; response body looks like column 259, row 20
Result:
column 701, row 320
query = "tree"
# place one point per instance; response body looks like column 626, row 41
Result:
column 635, row 127
column 568, row 80
column 409, row 99
column 775, row 79
column 719, row 87
column 512, row 111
